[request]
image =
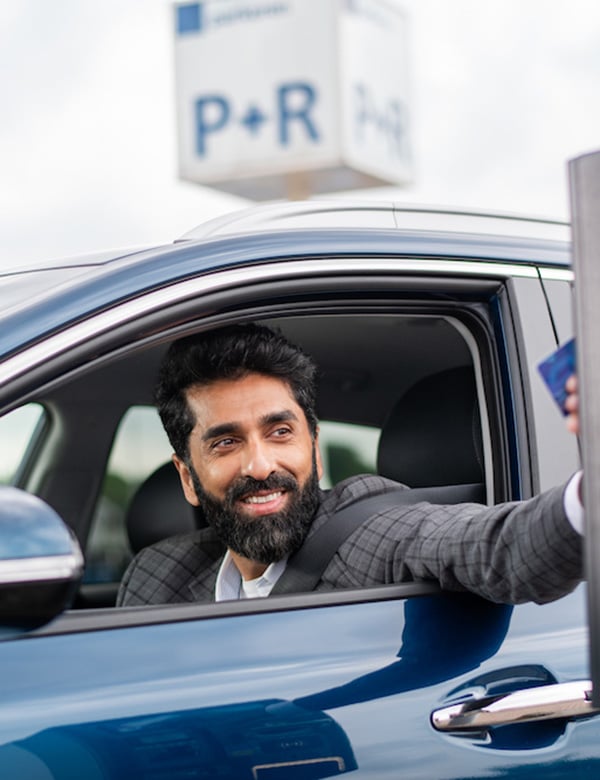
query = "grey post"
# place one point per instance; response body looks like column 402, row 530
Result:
column 584, row 175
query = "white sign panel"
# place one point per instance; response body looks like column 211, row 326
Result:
column 281, row 98
column 374, row 89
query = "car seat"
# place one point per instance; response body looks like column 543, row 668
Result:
column 432, row 436
column 158, row 509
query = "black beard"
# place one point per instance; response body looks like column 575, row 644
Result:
column 264, row 539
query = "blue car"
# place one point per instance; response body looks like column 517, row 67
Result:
column 427, row 328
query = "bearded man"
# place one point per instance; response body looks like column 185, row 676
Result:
column 238, row 406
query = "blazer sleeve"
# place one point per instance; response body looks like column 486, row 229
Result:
column 510, row 553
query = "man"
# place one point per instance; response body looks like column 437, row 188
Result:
column 238, row 405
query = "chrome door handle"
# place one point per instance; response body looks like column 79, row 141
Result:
column 562, row 700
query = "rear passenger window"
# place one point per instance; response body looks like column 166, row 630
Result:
column 347, row 450
column 140, row 446
column 18, row 431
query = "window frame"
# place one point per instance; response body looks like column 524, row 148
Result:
column 474, row 290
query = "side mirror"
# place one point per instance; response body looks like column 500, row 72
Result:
column 40, row 562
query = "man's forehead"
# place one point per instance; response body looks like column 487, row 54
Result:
column 229, row 400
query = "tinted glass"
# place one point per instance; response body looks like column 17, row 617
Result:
column 17, row 430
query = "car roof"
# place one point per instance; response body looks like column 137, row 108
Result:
column 53, row 264
column 379, row 214
column 323, row 214
column 37, row 301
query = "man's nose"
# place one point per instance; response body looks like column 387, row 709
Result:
column 257, row 460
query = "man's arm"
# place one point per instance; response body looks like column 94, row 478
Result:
column 510, row 553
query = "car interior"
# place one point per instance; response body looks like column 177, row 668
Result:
column 400, row 394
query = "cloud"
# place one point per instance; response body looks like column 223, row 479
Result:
column 87, row 144
column 503, row 93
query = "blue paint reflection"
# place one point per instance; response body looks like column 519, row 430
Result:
column 443, row 636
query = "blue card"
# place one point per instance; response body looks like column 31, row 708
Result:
column 556, row 369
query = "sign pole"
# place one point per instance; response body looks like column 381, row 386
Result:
column 584, row 176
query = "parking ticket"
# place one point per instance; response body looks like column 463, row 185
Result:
column 556, row 369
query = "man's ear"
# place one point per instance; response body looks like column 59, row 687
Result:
column 318, row 458
column 186, row 481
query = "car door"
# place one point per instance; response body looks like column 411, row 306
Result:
column 319, row 684
column 318, row 691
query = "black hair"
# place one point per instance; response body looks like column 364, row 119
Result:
column 231, row 352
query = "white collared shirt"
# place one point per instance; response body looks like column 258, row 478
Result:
column 229, row 584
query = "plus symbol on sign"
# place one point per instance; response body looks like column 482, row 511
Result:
column 253, row 119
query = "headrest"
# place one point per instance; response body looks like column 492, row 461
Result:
column 433, row 434
column 158, row 509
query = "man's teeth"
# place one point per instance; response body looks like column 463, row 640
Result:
column 262, row 499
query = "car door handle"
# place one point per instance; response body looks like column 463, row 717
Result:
column 561, row 700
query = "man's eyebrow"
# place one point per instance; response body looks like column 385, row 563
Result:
column 286, row 415
column 223, row 429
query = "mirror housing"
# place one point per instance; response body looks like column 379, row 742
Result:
column 40, row 562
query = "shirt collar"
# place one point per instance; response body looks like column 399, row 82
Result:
column 229, row 584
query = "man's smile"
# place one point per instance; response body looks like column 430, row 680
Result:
column 262, row 499
column 264, row 502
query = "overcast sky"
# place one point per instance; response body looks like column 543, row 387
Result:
column 504, row 92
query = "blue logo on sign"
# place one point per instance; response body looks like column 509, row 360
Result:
column 196, row 17
column 189, row 18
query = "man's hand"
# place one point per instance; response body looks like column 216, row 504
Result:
column 572, row 405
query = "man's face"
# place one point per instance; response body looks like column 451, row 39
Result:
column 253, row 465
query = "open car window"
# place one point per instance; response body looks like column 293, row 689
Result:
column 396, row 359
column 374, row 343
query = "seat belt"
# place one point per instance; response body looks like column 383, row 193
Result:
column 306, row 566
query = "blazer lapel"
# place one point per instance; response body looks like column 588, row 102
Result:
column 203, row 586
column 208, row 555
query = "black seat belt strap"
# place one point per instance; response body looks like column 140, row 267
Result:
column 306, row 566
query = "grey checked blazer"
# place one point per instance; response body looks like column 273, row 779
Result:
column 510, row 553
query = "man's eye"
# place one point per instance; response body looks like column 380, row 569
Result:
column 222, row 444
column 282, row 432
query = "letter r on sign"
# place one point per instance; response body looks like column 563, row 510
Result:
column 294, row 102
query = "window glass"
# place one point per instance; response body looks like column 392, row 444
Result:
column 347, row 450
column 17, row 431
column 141, row 446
